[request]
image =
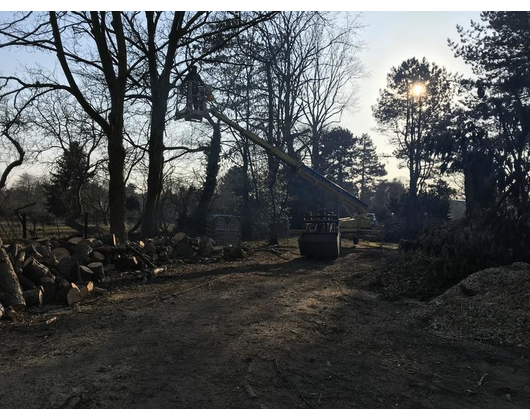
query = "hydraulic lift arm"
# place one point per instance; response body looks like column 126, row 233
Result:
column 300, row 169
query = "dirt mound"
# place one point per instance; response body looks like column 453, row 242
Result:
column 492, row 305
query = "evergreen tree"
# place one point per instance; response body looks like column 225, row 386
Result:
column 367, row 167
column 338, row 154
column 351, row 161
column 63, row 193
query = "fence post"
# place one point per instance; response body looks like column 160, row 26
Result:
column 24, row 227
column 86, row 225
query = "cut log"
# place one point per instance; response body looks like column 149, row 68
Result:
column 49, row 261
column 150, row 249
column 69, row 269
column 98, row 257
column 60, row 253
column 88, row 241
column 126, row 264
column 26, row 283
column 142, row 257
column 86, row 289
column 81, row 253
column 69, row 293
column 9, row 284
column 207, row 250
column 110, row 240
column 34, row 270
column 75, row 240
column 43, row 250
column 19, row 261
column 159, row 242
column 181, row 237
column 45, row 241
column 98, row 269
column 85, row 274
column 13, row 249
column 155, row 272
column 48, row 288
column 99, row 291
column 110, row 250
column 3, row 311
column 12, row 314
column 182, row 250
column 232, row 252
column 33, row 297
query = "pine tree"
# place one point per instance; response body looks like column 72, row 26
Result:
column 63, row 193
column 367, row 166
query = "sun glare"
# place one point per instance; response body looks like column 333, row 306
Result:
column 418, row 89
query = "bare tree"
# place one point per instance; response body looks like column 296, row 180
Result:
column 329, row 82
column 10, row 127
column 14, row 128
column 92, row 55
column 59, row 122
column 167, row 44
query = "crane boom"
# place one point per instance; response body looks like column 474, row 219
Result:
column 300, row 169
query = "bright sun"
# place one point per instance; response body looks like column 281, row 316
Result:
column 418, row 89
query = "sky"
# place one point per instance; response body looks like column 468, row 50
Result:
column 392, row 37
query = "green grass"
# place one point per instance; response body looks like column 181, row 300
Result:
column 11, row 230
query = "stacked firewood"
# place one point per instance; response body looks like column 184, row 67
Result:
column 69, row 271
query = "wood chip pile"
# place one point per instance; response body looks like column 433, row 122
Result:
column 492, row 305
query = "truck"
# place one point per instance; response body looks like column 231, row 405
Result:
column 321, row 237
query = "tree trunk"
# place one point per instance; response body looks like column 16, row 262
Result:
column 210, row 183
column 247, row 219
column 9, row 285
column 151, row 214
column 479, row 185
column 117, row 192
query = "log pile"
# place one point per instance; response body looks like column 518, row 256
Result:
column 68, row 271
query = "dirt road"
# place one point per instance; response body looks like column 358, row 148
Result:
column 273, row 331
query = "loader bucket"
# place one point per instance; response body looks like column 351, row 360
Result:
column 319, row 244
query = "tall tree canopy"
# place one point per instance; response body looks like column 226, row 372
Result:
column 497, row 118
column 414, row 110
